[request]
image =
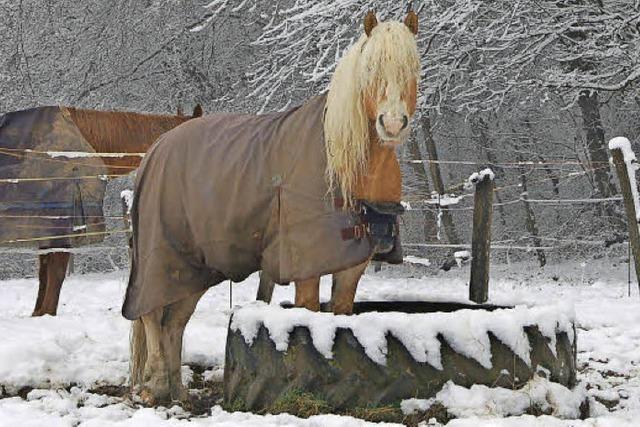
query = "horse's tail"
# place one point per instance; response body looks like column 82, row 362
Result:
column 138, row 353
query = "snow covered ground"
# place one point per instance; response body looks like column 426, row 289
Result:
column 85, row 347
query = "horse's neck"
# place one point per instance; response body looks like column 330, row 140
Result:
column 382, row 181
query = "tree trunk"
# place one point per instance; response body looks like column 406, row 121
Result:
column 421, row 174
column 436, row 176
column 592, row 125
column 530, row 218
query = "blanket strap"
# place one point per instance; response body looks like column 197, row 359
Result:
column 356, row 232
column 374, row 222
column 374, row 229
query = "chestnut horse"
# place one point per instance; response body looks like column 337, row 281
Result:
column 369, row 106
column 106, row 132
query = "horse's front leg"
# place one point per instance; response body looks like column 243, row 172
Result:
column 308, row 294
column 343, row 288
column 265, row 289
column 175, row 320
column 53, row 269
column 42, row 284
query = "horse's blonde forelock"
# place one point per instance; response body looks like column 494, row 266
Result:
column 390, row 53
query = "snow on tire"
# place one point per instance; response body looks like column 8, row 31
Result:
column 390, row 351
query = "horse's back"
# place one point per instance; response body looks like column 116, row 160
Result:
column 203, row 191
column 230, row 158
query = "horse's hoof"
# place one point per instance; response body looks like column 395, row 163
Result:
column 41, row 312
column 182, row 397
column 347, row 311
column 147, row 398
column 309, row 306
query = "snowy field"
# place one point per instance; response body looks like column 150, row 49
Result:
column 69, row 359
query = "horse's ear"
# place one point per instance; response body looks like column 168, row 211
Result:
column 411, row 21
column 197, row 111
column 370, row 22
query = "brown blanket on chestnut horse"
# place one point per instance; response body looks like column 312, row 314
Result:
column 66, row 197
column 225, row 195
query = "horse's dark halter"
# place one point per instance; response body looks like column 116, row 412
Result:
column 379, row 222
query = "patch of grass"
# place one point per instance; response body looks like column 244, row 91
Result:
column 111, row 390
column 382, row 414
column 301, row 404
column 237, row 405
column 205, row 394
column 437, row 411
column 304, row 405
column 393, row 414
column 203, row 399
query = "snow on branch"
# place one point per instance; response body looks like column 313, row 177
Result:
column 476, row 55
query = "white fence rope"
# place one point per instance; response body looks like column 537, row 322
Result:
column 103, row 177
column 72, row 154
column 468, row 246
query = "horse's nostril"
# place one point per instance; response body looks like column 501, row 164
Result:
column 381, row 120
column 405, row 122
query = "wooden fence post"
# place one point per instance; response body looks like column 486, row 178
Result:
column 481, row 240
column 625, row 168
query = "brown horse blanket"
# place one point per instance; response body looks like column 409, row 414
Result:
column 226, row 195
column 65, row 202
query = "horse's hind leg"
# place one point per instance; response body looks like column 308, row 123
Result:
column 176, row 317
column 55, row 270
column 343, row 289
column 156, row 374
column 308, row 294
column 163, row 330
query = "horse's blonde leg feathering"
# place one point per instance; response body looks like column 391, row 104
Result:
column 155, row 373
column 138, row 354
column 175, row 320
column 156, row 352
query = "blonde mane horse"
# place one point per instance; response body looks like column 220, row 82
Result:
column 371, row 98
column 366, row 118
column 229, row 162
